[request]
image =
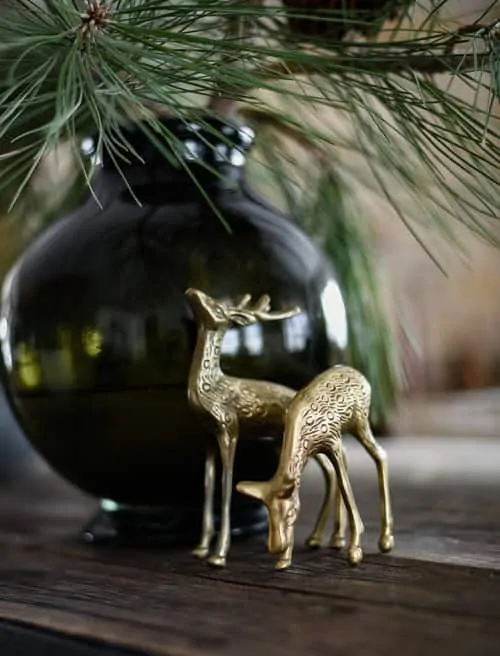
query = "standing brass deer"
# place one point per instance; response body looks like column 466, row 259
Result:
column 233, row 404
column 336, row 401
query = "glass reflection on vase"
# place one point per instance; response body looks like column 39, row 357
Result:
column 96, row 335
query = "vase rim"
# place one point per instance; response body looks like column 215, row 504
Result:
column 204, row 138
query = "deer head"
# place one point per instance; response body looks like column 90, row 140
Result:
column 217, row 315
column 280, row 495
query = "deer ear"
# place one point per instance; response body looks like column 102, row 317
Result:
column 242, row 318
column 255, row 490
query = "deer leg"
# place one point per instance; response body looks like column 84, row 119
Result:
column 201, row 551
column 377, row 453
column 227, row 442
column 355, row 553
column 316, row 537
column 338, row 538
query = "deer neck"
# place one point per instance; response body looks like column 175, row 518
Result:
column 293, row 457
column 205, row 367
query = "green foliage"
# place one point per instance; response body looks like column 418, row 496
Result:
column 69, row 67
column 325, row 206
column 73, row 67
column 372, row 344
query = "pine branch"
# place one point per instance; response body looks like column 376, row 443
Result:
column 418, row 57
column 88, row 67
column 68, row 69
column 396, row 63
column 221, row 100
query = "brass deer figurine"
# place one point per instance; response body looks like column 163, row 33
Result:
column 336, row 401
column 231, row 403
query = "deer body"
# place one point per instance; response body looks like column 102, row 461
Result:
column 256, row 403
column 335, row 402
column 232, row 404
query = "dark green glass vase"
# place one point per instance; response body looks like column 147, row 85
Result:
column 97, row 336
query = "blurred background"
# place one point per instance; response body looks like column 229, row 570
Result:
column 451, row 317
column 450, row 342
column 454, row 320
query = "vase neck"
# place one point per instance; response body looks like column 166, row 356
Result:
column 208, row 157
column 145, row 182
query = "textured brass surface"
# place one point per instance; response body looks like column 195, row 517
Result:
column 335, row 402
column 231, row 403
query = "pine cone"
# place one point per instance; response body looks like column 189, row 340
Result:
column 374, row 12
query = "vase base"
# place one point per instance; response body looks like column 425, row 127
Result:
column 125, row 525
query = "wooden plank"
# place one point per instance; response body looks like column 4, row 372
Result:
column 165, row 603
column 20, row 640
column 179, row 607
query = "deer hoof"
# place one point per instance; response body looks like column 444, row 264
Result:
column 200, row 552
column 354, row 556
column 313, row 542
column 283, row 564
column 337, row 542
column 217, row 561
column 386, row 543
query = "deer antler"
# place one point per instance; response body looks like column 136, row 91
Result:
column 245, row 300
column 262, row 305
column 244, row 315
column 265, row 315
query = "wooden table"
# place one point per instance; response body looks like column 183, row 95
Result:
column 438, row 593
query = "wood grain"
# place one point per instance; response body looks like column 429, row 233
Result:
column 423, row 599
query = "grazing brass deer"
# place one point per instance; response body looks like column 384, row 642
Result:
column 336, row 401
column 233, row 404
